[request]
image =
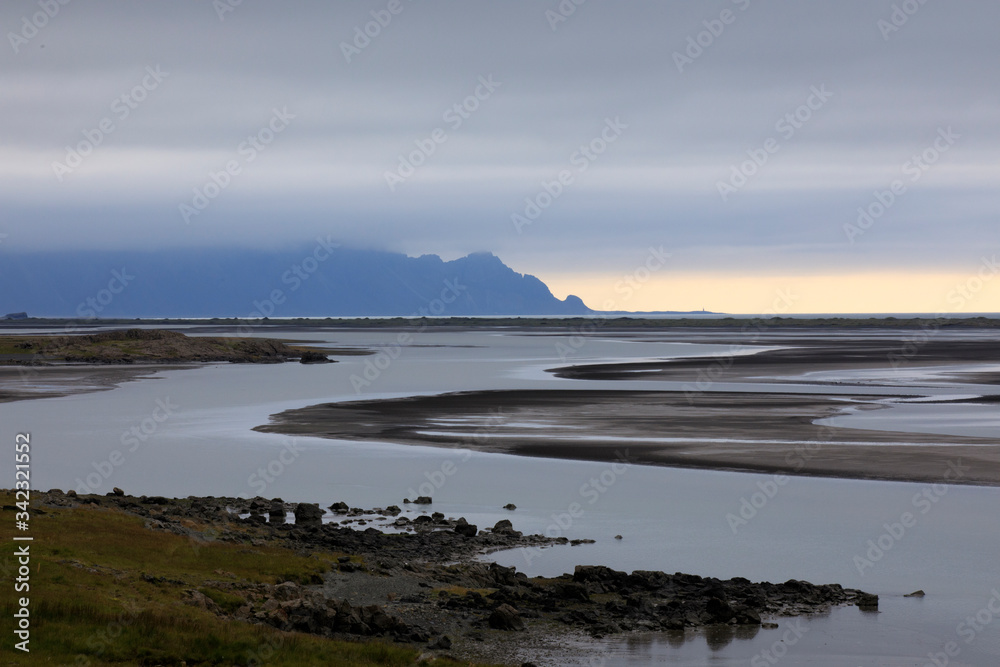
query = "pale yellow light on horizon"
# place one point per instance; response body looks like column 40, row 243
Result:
column 880, row 292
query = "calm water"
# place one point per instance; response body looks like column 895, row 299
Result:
column 673, row 520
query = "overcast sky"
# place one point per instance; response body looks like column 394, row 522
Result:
column 674, row 99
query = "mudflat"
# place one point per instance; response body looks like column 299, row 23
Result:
column 758, row 432
column 703, row 426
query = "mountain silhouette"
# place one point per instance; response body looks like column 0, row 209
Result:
column 317, row 280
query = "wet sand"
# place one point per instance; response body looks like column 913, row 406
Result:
column 758, row 432
column 804, row 355
column 20, row 383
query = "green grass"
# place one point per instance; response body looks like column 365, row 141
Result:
column 107, row 591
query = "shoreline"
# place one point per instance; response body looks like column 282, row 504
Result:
column 604, row 321
column 422, row 589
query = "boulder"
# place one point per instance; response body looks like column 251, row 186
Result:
column 117, row 491
column 466, row 529
column 503, row 527
column 720, row 610
column 311, row 357
column 572, row 590
column 868, row 602
column 340, row 508
column 422, row 500
column 507, row 618
column 308, row 514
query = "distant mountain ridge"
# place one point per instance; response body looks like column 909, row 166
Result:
column 322, row 280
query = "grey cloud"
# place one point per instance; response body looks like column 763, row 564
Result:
column 656, row 184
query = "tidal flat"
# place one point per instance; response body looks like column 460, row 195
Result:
column 451, row 412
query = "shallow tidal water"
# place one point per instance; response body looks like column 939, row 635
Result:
column 720, row 524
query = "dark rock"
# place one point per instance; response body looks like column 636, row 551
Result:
column 506, row 617
column 720, row 610
column 868, row 601
column 915, row 594
column 422, row 500
column 308, row 514
column 339, row 508
column 466, row 529
column 117, row 491
column 311, row 357
column 442, row 643
column 618, row 537
column 572, row 591
column 510, row 506
column 503, row 527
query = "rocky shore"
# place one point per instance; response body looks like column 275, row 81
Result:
column 420, row 582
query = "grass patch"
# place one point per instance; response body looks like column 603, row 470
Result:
column 107, row 591
column 226, row 601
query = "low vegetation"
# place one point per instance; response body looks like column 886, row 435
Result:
column 143, row 345
column 107, row 591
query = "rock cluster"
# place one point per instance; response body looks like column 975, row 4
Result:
column 429, row 578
